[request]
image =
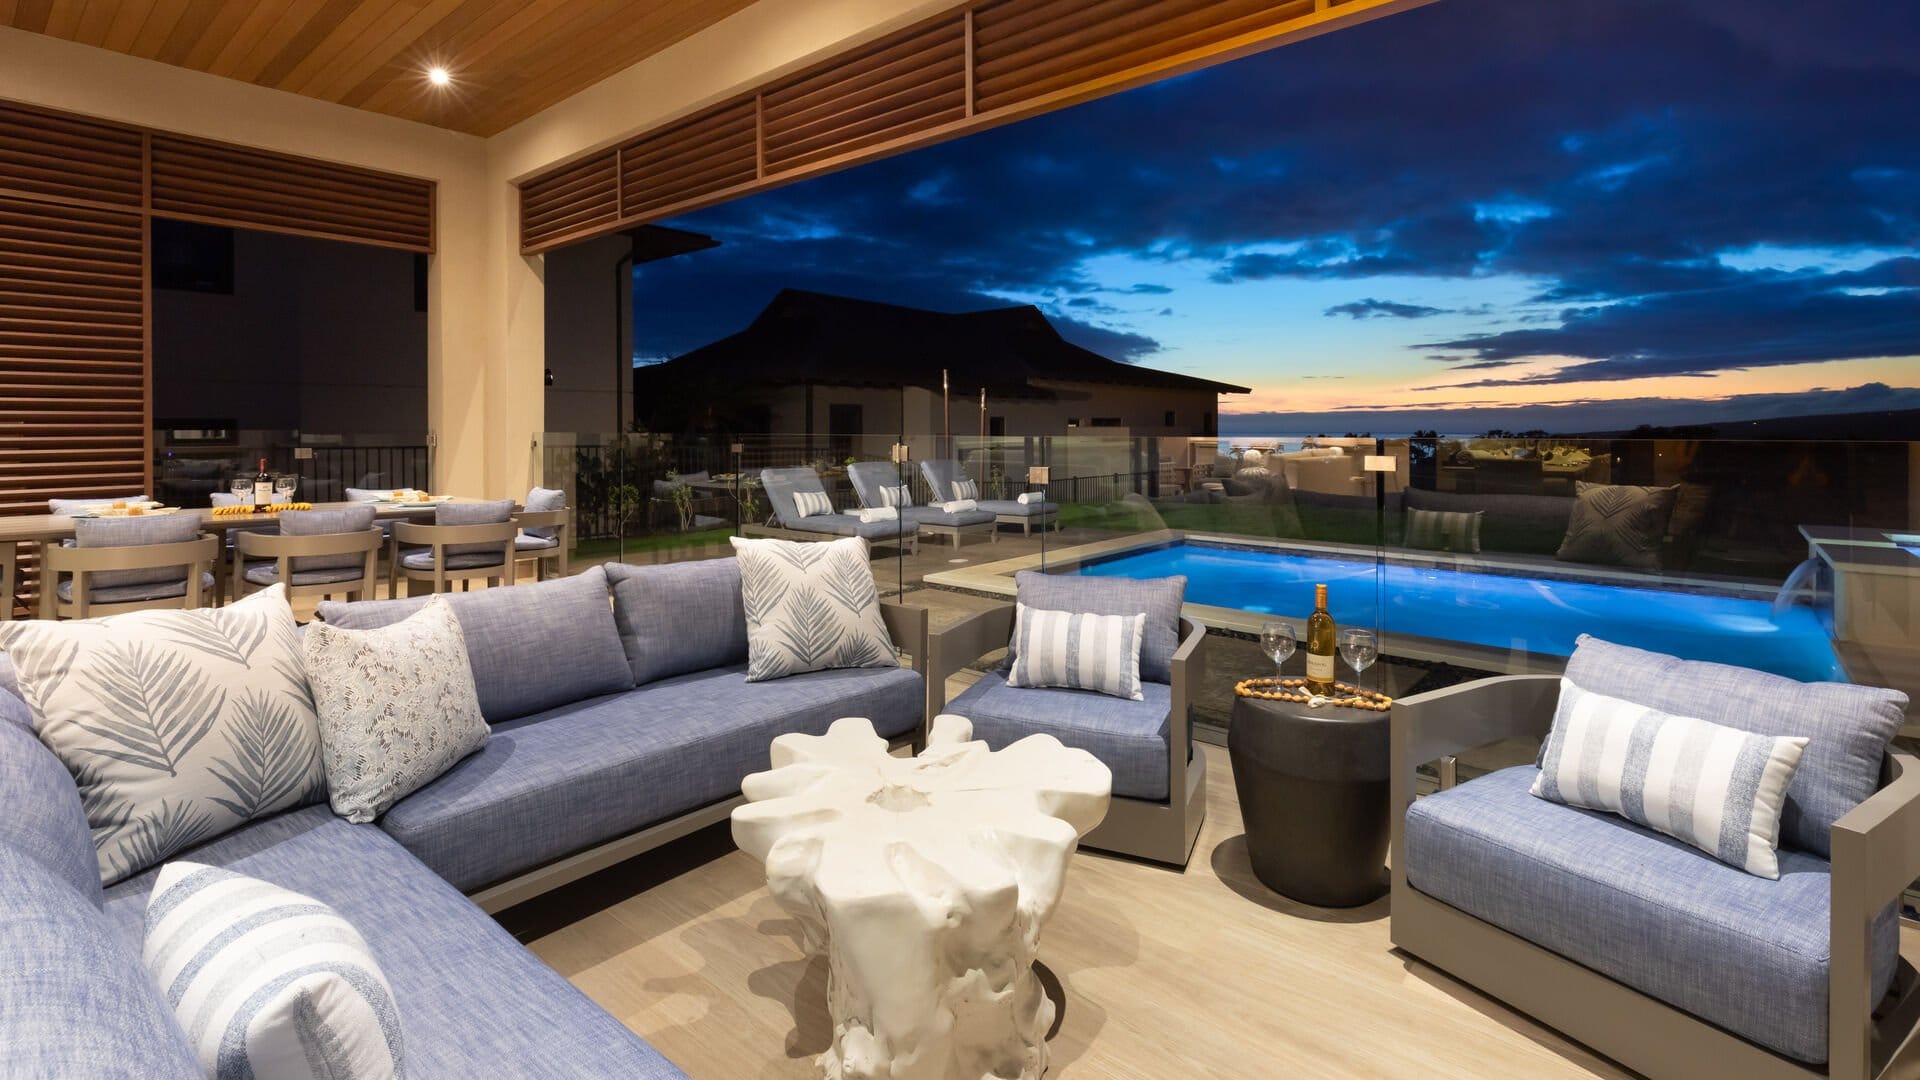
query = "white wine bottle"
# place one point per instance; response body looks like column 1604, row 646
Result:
column 1322, row 643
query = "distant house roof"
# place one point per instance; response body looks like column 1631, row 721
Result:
column 810, row 337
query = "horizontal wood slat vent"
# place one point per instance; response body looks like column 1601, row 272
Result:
column 577, row 200
column 982, row 63
column 72, row 352
column 708, row 152
column 258, row 189
column 896, row 86
column 68, row 158
column 1025, row 48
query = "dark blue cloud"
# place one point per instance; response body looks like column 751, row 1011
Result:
column 1371, row 308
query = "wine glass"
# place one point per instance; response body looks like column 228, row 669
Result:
column 1360, row 648
column 242, row 488
column 1277, row 641
column 284, row 485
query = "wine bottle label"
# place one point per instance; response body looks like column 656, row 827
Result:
column 1319, row 666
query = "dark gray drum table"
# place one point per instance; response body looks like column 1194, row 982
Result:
column 1313, row 794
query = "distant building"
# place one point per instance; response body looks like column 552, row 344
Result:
column 845, row 373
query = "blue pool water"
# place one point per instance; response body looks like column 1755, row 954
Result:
column 1539, row 615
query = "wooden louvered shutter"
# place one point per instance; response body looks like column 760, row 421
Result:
column 898, row 86
column 576, row 201
column 197, row 180
column 708, row 152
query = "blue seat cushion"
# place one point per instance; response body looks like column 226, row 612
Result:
column 526, row 541
column 75, row 999
column 470, row 560
column 1743, row 952
column 1016, row 508
column 40, row 810
column 933, row 515
column 567, row 779
column 1129, row 737
column 134, row 593
column 472, row 1001
column 849, row 525
column 269, row 574
column 531, row 646
column 679, row 617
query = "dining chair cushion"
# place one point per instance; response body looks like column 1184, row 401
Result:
column 70, row 506
column 1158, row 598
column 135, row 593
column 541, row 501
column 475, row 513
column 810, row 606
column 341, row 519
column 397, row 705
column 678, row 617
column 267, row 573
column 533, row 646
column 526, row 541
column 177, row 725
column 423, row 560
column 136, row 532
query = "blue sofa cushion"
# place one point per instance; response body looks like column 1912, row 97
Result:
column 573, row 777
column 679, row 617
column 1746, row 953
column 1847, row 727
column 1159, row 598
column 1129, row 737
column 472, row 1001
column 532, row 646
column 74, row 998
column 40, row 810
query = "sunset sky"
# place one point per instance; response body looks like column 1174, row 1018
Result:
column 1590, row 213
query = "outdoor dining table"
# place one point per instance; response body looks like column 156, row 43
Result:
column 41, row 530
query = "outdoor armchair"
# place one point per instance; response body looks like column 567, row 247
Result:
column 445, row 554
column 131, row 577
column 348, row 563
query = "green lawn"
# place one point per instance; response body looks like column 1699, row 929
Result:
column 613, row 547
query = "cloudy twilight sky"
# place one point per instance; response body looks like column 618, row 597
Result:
column 1583, row 213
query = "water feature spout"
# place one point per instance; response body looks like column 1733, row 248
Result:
column 1798, row 583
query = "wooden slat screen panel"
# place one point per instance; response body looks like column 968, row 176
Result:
column 72, row 353
column 707, row 152
column 1025, row 48
column 52, row 156
column 897, row 86
column 257, row 189
column 578, row 200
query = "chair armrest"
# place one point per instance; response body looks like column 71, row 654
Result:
column 1876, row 855
column 1443, row 722
column 907, row 627
column 1188, row 669
column 961, row 644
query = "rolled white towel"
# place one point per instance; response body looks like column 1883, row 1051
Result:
column 872, row 514
column 958, row 506
column 1028, row 498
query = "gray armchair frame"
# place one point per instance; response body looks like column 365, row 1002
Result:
column 194, row 557
column 438, row 538
column 1876, row 854
column 545, row 519
column 283, row 549
column 1163, row 832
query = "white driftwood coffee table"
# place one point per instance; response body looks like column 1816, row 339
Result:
column 925, row 881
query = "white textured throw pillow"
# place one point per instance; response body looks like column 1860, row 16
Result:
column 1718, row 788
column 1077, row 650
column 266, row 982
column 810, row 607
column 397, row 707
column 177, row 725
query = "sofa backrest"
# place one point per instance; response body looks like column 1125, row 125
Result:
column 75, row 1000
column 1847, row 727
column 1159, row 598
column 40, row 810
column 677, row 618
column 532, row 647
column 782, row 483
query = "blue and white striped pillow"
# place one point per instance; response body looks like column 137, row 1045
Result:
column 965, row 489
column 895, row 495
column 1077, row 650
column 811, row 503
column 1718, row 788
column 267, row 982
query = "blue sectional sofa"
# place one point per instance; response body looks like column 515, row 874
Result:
column 615, row 728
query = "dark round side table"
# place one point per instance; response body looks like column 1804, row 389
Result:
column 1313, row 794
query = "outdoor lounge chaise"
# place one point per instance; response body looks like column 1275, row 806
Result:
column 869, row 477
column 1643, row 947
column 783, row 484
column 942, row 472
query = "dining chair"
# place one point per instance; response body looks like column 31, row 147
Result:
column 467, row 541
column 542, row 538
column 117, row 565
column 324, row 553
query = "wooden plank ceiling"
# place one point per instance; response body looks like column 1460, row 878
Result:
column 509, row 59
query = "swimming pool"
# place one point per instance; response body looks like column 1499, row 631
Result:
column 1538, row 615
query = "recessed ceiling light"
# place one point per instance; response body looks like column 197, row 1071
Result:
column 438, row 76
